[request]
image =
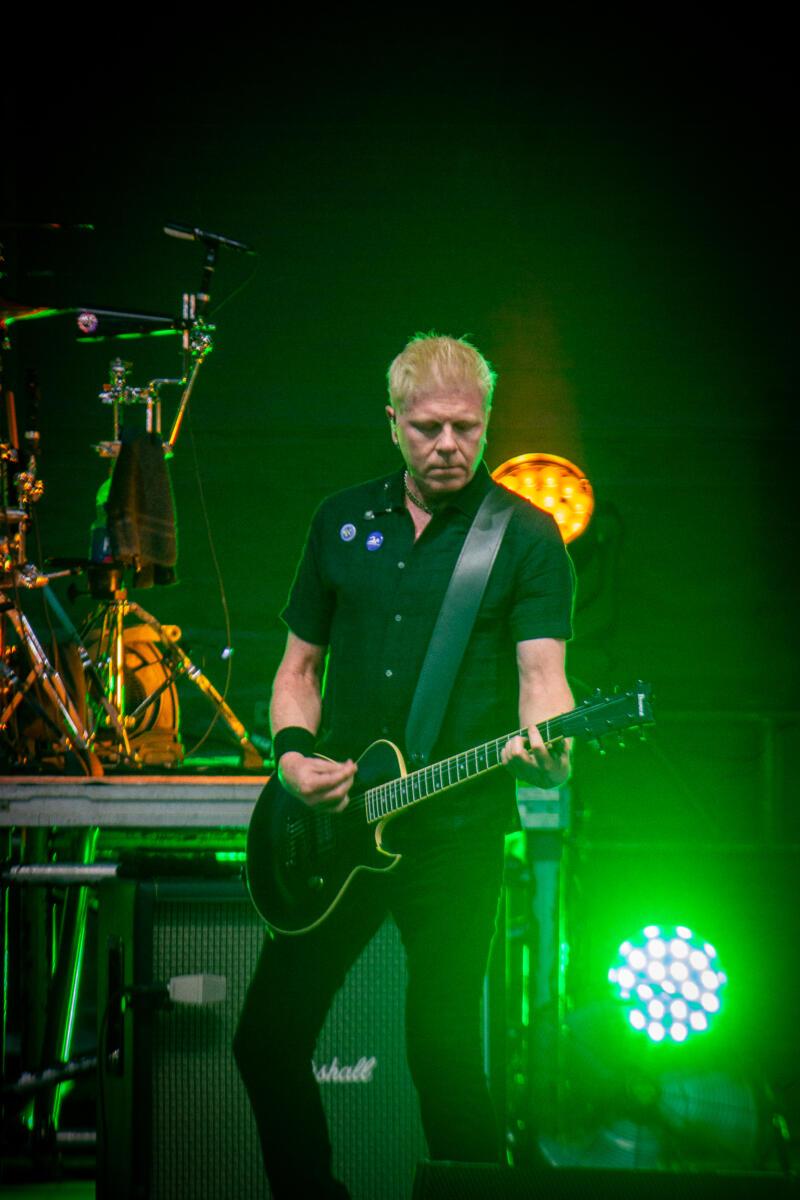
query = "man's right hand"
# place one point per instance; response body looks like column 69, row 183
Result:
column 317, row 780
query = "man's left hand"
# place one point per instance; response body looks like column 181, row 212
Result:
column 530, row 761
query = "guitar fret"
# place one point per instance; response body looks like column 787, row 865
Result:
column 400, row 793
column 397, row 794
column 291, row 848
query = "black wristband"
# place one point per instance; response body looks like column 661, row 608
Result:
column 293, row 737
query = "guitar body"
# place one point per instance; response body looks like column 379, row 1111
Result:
column 300, row 859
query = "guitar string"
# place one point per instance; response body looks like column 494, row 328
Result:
column 429, row 781
column 552, row 730
column 404, row 785
column 425, row 777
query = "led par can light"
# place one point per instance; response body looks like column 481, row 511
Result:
column 669, row 982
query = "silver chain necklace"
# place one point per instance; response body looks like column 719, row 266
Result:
column 414, row 498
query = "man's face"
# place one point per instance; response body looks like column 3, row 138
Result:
column 441, row 434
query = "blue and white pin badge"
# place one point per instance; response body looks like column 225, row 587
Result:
column 347, row 533
column 374, row 540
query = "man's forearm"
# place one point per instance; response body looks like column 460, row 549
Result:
column 295, row 700
column 296, row 706
column 543, row 692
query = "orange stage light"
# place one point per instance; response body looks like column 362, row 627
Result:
column 553, row 484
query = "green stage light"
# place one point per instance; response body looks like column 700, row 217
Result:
column 669, row 982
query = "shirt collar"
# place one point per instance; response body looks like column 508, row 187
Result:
column 468, row 500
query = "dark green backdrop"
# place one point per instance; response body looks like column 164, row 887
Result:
column 612, row 225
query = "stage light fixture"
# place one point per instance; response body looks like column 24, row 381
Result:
column 669, row 982
column 553, row 484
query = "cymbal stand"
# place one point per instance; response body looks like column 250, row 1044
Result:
column 62, row 718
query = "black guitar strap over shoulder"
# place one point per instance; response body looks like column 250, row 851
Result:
column 454, row 624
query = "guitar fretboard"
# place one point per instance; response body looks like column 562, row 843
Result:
column 397, row 794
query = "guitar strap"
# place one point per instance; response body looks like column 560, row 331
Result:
column 454, row 624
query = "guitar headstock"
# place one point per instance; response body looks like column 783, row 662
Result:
column 600, row 715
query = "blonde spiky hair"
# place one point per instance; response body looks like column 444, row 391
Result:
column 430, row 359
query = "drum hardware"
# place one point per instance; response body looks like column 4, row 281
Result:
column 27, row 676
column 117, row 393
column 106, row 324
column 63, row 720
column 143, row 696
column 147, row 728
column 130, row 669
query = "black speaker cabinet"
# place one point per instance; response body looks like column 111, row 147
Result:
column 173, row 1117
column 476, row 1181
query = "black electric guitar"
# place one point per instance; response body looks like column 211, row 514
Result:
column 300, row 859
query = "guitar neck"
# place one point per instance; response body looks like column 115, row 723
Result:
column 397, row 794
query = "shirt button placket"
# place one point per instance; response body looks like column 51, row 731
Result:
column 392, row 645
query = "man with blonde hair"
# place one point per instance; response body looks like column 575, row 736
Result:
column 430, row 359
column 368, row 589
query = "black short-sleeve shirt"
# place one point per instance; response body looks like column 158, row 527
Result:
column 370, row 593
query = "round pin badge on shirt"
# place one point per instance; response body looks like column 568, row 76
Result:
column 347, row 533
column 375, row 540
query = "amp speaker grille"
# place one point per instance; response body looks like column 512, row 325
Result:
column 191, row 1130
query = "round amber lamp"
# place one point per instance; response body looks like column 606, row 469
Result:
column 553, row 484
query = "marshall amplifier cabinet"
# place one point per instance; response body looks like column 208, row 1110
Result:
column 173, row 1116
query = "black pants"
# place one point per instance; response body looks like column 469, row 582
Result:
column 444, row 901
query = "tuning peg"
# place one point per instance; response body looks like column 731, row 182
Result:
column 597, row 746
column 643, row 734
column 621, row 742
